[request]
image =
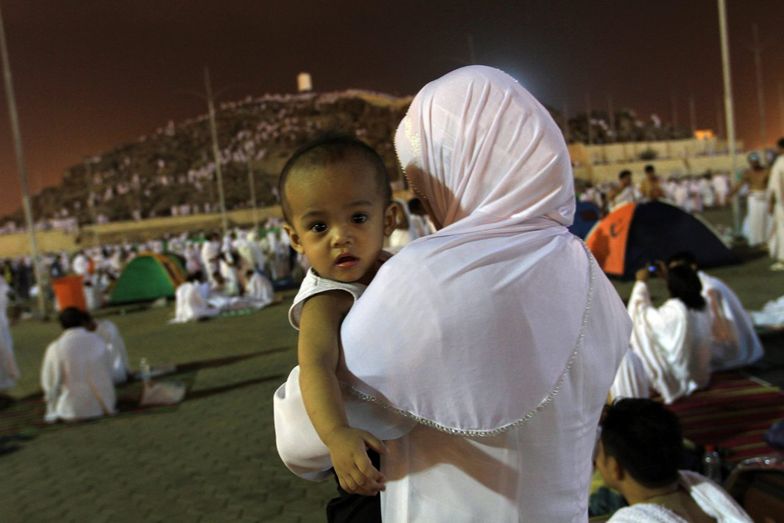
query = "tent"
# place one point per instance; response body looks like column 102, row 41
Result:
column 148, row 277
column 637, row 233
column 586, row 215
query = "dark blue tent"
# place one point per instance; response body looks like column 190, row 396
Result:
column 585, row 217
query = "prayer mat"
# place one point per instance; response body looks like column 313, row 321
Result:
column 733, row 413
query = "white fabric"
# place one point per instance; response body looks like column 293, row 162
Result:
column 776, row 188
column 711, row 498
column 313, row 284
column 190, row 305
column 771, row 315
column 757, row 218
column 735, row 343
column 115, row 344
column 629, row 194
column 631, row 380
column 479, row 326
column 9, row 371
column 260, row 290
column 298, row 442
column 673, row 343
column 76, row 377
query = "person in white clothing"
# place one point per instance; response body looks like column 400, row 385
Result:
column 76, row 375
column 638, row 454
column 189, row 302
column 776, row 209
column 337, row 201
column 674, row 340
column 734, row 342
column 632, row 380
column 487, row 371
column 755, row 179
column 9, row 371
column 115, row 344
column 626, row 191
column 260, row 289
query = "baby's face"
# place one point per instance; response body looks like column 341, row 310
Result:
column 339, row 219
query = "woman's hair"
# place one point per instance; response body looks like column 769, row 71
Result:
column 329, row 149
column 645, row 438
column 684, row 284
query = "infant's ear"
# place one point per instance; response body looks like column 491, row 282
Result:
column 391, row 216
column 296, row 243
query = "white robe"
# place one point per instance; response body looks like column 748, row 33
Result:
column 776, row 188
column 673, row 343
column 115, row 344
column 190, row 305
column 711, row 498
column 260, row 290
column 500, row 329
column 631, row 381
column 9, row 371
column 757, row 216
column 76, row 377
column 734, row 341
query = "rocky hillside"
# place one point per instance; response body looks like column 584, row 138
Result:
column 172, row 171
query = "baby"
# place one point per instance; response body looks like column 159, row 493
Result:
column 337, row 203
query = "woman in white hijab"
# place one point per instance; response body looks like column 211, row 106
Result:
column 497, row 337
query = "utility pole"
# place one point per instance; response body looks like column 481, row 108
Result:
column 781, row 109
column 757, row 49
column 216, row 150
column 22, row 168
column 611, row 117
column 728, row 106
column 692, row 115
column 252, row 186
column 588, row 117
column 471, row 49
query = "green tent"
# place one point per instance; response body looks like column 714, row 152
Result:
column 146, row 278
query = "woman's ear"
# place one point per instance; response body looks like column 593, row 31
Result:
column 296, row 242
column 390, row 218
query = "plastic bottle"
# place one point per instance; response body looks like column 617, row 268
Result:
column 711, row 464
column 144, row 370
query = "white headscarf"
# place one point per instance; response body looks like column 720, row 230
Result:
column 473, row 329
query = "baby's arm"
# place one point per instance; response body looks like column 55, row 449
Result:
column 318, row 354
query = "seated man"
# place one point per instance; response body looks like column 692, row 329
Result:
column 76, row 375
column 638, row 454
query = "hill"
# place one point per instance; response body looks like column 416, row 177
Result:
column 172, row 171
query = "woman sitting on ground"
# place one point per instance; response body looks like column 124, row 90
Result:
column 673, row 340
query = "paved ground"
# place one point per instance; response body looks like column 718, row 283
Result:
column 212, row 458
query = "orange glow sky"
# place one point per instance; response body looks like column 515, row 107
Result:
column 93, row 74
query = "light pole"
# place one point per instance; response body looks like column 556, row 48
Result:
column 22, row 168
column 728, row 107
column 215, row 150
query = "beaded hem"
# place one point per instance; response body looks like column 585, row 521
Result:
column 531, row 413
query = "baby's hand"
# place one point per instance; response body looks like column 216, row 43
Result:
column 348, row 450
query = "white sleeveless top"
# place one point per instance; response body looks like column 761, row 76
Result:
column 314, row 284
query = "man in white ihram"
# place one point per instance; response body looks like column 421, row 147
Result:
column 76, row 375
column 9, row 372
column 776, row 208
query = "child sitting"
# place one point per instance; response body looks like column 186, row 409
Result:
column 336, row 200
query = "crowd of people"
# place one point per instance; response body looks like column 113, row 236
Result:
column 479, row 380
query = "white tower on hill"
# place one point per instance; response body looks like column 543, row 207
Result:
column 304, row 83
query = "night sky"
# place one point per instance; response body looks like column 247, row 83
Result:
column 93, row 74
